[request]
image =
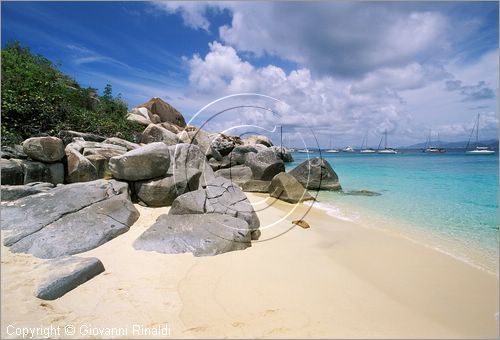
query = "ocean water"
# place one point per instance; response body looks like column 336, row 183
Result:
column 447, row 201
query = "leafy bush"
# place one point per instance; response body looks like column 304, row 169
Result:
column 38, row 99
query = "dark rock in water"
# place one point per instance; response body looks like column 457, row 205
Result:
column 237, row 174
column 147, row 162
column 162, row 192
column 165, row 111
column 44, row 149
column 12, row 172
column 316, row 174
column 59, row 276
column 67, row 136
column 14, row 192
column 155, row 133
column 362, row 193
column 15, row 151
column 286, row 188
column 255, row 185
column 220, row 196
column 42, row 172
column 265, row 165
column 199, row 234
column 78, row 168
column 68, row 219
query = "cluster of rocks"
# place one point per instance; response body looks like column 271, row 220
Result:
column 68, row 194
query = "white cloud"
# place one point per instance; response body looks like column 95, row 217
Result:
column 194, row 13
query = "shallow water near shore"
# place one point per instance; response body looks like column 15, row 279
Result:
column 446, row 201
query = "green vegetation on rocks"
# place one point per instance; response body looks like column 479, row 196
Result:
column 38, row 99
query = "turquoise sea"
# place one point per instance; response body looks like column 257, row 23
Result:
column 447, row 201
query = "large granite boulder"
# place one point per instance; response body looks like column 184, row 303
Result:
column 165, row 111
column 201, row 235
column 67, row 136
column 199, row 137
column 13, row 151
column 104, row 152
column 224, row 144
column 78, row 168
column 41, row 172
column 162, row 192
column 155, row 133
column 184, row 156
column 58, row 276
column 142, row 116
column 316, row 174
column 100, row 164
column 237, row 174
column 258, row 139
column 14, row 192
column 255, row 185
column 44, row 149
column 239, row 153
column 121, row 142
column 222, row 197
column 147, row 162
column 283, row 153
column 68, row 219
column 12, row 172
column 265, row 164
column 286, row 188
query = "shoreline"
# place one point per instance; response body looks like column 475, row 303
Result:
column 474, row 256
column 336, row 279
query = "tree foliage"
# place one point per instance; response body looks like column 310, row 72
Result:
column 38, row 99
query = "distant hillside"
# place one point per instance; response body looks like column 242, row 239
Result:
column 491, row 143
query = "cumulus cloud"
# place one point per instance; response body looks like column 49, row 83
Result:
column 323, row 103
column 347, row 39
column 356, row 67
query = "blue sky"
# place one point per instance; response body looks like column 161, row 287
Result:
column 344, row 69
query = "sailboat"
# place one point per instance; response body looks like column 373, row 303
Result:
column 364, row 146
column 433, row 149
column 348, row 149
column 331, row 150
column 478, row 150
column 386, row 150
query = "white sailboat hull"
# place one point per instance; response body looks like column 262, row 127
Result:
column 480, row 152
column 388, row 152
column 367, row 151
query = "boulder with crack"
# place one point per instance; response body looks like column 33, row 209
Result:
column 220, row 196
column 201, row 235
column 68, row 219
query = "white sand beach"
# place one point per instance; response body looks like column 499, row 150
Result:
column 337, row 279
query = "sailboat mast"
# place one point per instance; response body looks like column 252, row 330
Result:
column 385, row 143
column 477, row 130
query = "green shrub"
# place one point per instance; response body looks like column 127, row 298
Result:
column 38, row 99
